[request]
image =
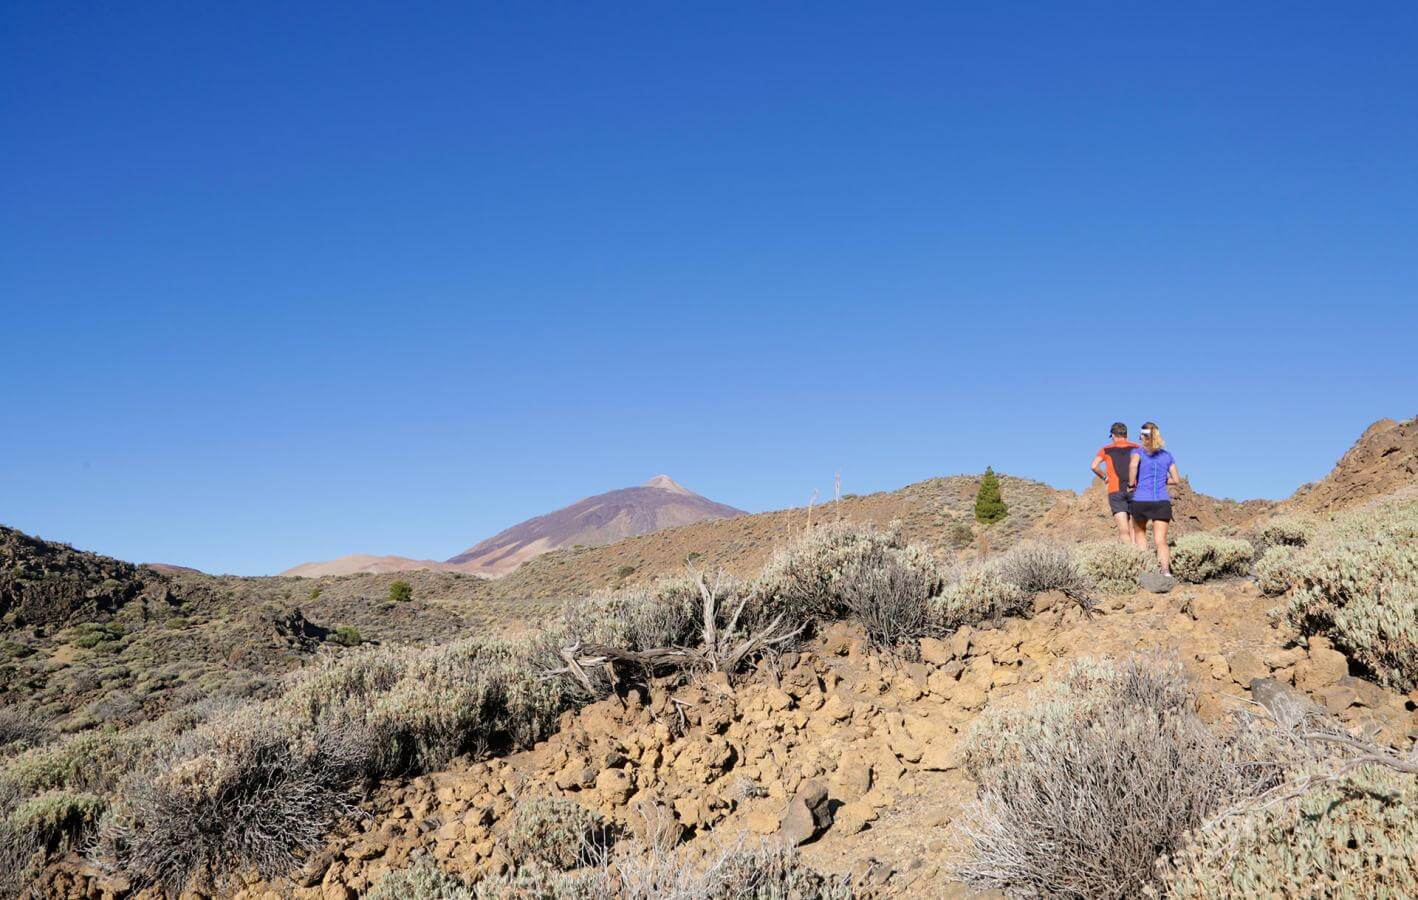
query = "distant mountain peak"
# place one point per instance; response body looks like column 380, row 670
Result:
column 658, row 503
column 666, row 483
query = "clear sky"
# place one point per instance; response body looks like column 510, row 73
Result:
column 285, row 281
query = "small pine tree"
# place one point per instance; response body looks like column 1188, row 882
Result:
column 989, row 505
column 401, row 592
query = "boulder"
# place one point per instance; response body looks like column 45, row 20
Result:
column 806, row 815
column 1246, row 666
column 1323, row 667
column 1285, row 704
column 936, row 652
column 1156, row 582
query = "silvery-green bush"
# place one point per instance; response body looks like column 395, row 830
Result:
column 555, row 832
column 1201, row 556
column 1112, row 566
column 1275, row 570
column 1357, row 583
column 1285, row 531
column 979, row 593
column 1351, row 838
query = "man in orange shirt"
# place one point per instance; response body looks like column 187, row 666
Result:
column 1111, row 464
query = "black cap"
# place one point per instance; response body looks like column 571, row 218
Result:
column 1119, row 429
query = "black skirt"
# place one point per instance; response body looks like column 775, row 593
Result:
column 1151, row 510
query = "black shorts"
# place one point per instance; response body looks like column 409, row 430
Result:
column 1118, row 501
column 1152, row 510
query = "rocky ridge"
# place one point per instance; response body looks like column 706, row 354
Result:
column 850, row 754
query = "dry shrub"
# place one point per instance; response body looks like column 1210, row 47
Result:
column 555, row 832
column 1275, row 570
column 827, row 573
column 20, row 730
column 258, row 786
column 891, row 597
column 1352, row 838
column 230, row 794
column 1084, row 787
column 667, row 613
column 1112, row 566
column 1036, row 566
column 1200, row 556
column 979, row 594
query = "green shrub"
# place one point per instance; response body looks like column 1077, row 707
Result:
column 989, row 505
column 624, row 572
column 1354, row 838
column 346, row 636
column 961, row 535
column 978, row 594
column 56, row 819
column 15, row 650
column 555, row 832
column 1275, row 570
column 1114, row 567
column 1200, row 556
column 1085, row 782
column 1036, row 566
column 315, row 593
column 420, row 880
column 401, row 592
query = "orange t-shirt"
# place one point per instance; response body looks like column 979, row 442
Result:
column 1116, row 460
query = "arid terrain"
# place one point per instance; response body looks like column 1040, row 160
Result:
column 833, row 694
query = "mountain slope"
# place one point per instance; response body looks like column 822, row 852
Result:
column 363, row 563
column 656, row 504
column 939, row 511
column 1383, row 460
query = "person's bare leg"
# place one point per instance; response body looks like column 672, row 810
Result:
column 1124, row 527
column 1164, row 555
column 1139, row 533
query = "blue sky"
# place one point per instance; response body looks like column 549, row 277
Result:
column 281, row 282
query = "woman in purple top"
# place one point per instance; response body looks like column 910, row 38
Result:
column 1151, row 470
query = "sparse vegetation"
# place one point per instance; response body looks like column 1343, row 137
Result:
column 624, row 572
column 1035, row 567
column 824, row 576
column 1201, row 556
column 555, row 832
column 978, row 594
column 1112, row 566
column 1083, row 786
column 400, row 591
column 989, row 505
column 1358, row 585
column 420, row 880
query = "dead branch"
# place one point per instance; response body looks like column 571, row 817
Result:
column 721, row 650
